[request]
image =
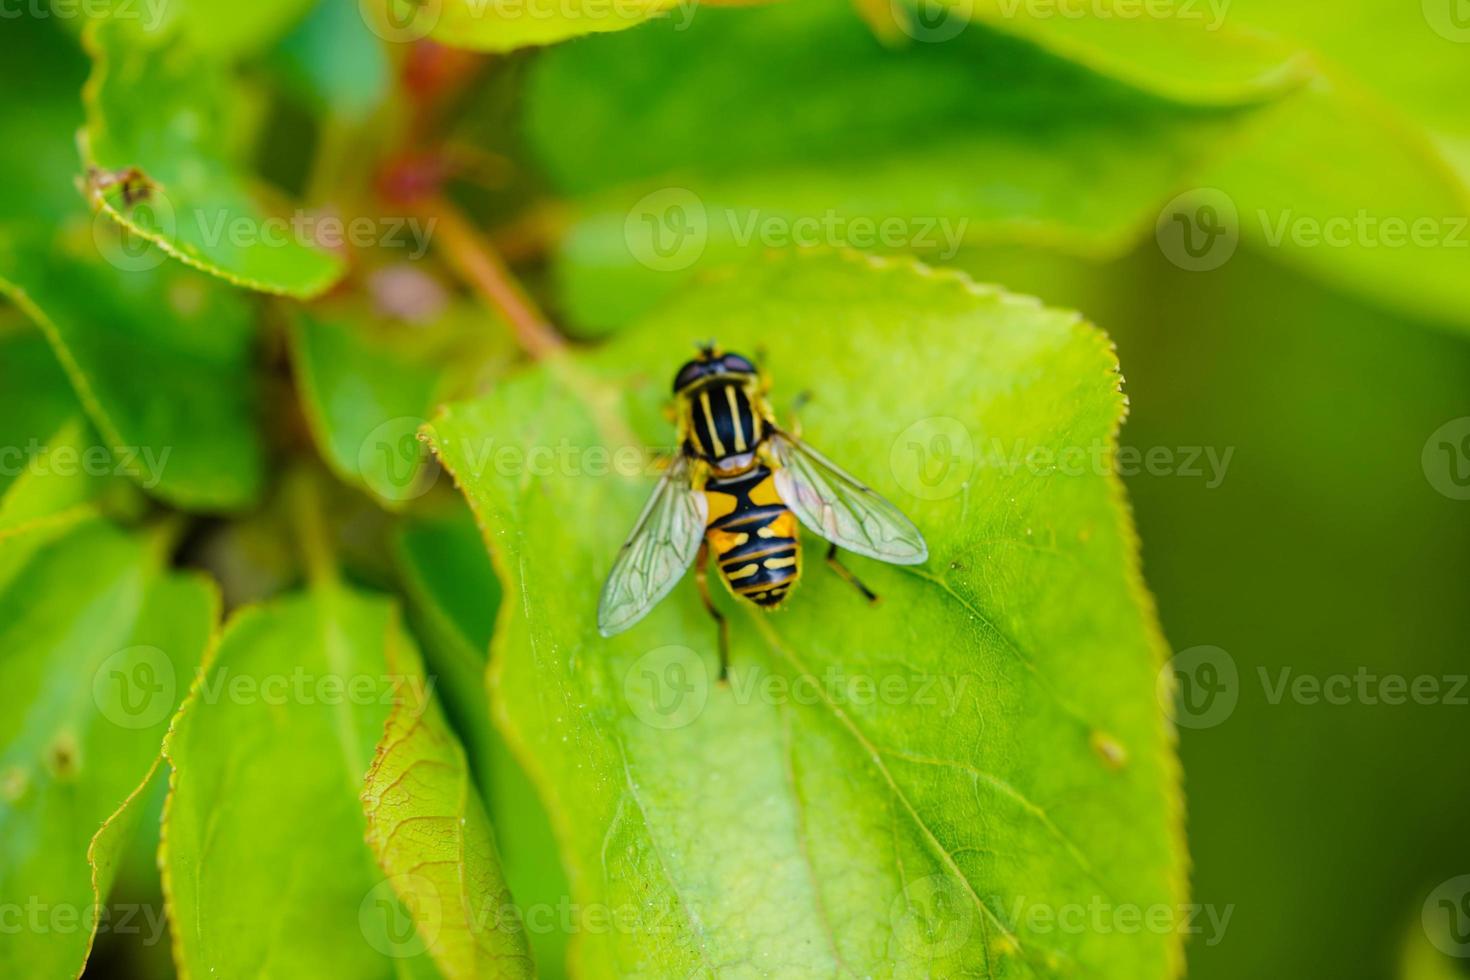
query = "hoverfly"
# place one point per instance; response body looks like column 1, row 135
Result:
column 735, row 490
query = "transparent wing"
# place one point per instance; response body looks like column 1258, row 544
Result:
column 834, row 504
column 658, row 552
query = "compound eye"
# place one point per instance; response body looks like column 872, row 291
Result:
column 688, row 374
column 736, row 363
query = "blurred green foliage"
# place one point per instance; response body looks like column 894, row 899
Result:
column 1213, row 184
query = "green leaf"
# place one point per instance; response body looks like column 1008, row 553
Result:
column 97, row 643
column 1412, row 55
column 45, row 71
column 1192, row 52
column 158, row 356
column 156, row 144
column 59, row 481
column 226, row 29
column 39, row 399
column 365, row 397
column 1430, row 950
column 453, row 599
column 270, row 752
column 1334, row 160
column 982, row 138
column 334, row 62
column 1018, row 761
column 453, row 596
column 222, row 30
column 1341, row 187
column 431, row 835
column 504, row 25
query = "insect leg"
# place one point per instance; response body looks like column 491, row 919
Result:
column 797, row 404
column 701, row 578
column 848, row 576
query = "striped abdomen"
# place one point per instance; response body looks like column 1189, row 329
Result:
column 753, row 537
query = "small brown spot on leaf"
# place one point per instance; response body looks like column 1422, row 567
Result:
column 63, row 757
column 1110, row 750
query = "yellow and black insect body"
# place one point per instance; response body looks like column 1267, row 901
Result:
column 724, row 421
column 737, row 489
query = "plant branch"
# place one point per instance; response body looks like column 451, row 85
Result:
column 481, row 266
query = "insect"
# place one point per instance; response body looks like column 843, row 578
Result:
column 734, row 491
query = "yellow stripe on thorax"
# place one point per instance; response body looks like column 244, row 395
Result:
column 740, row 444
column 719, row 446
